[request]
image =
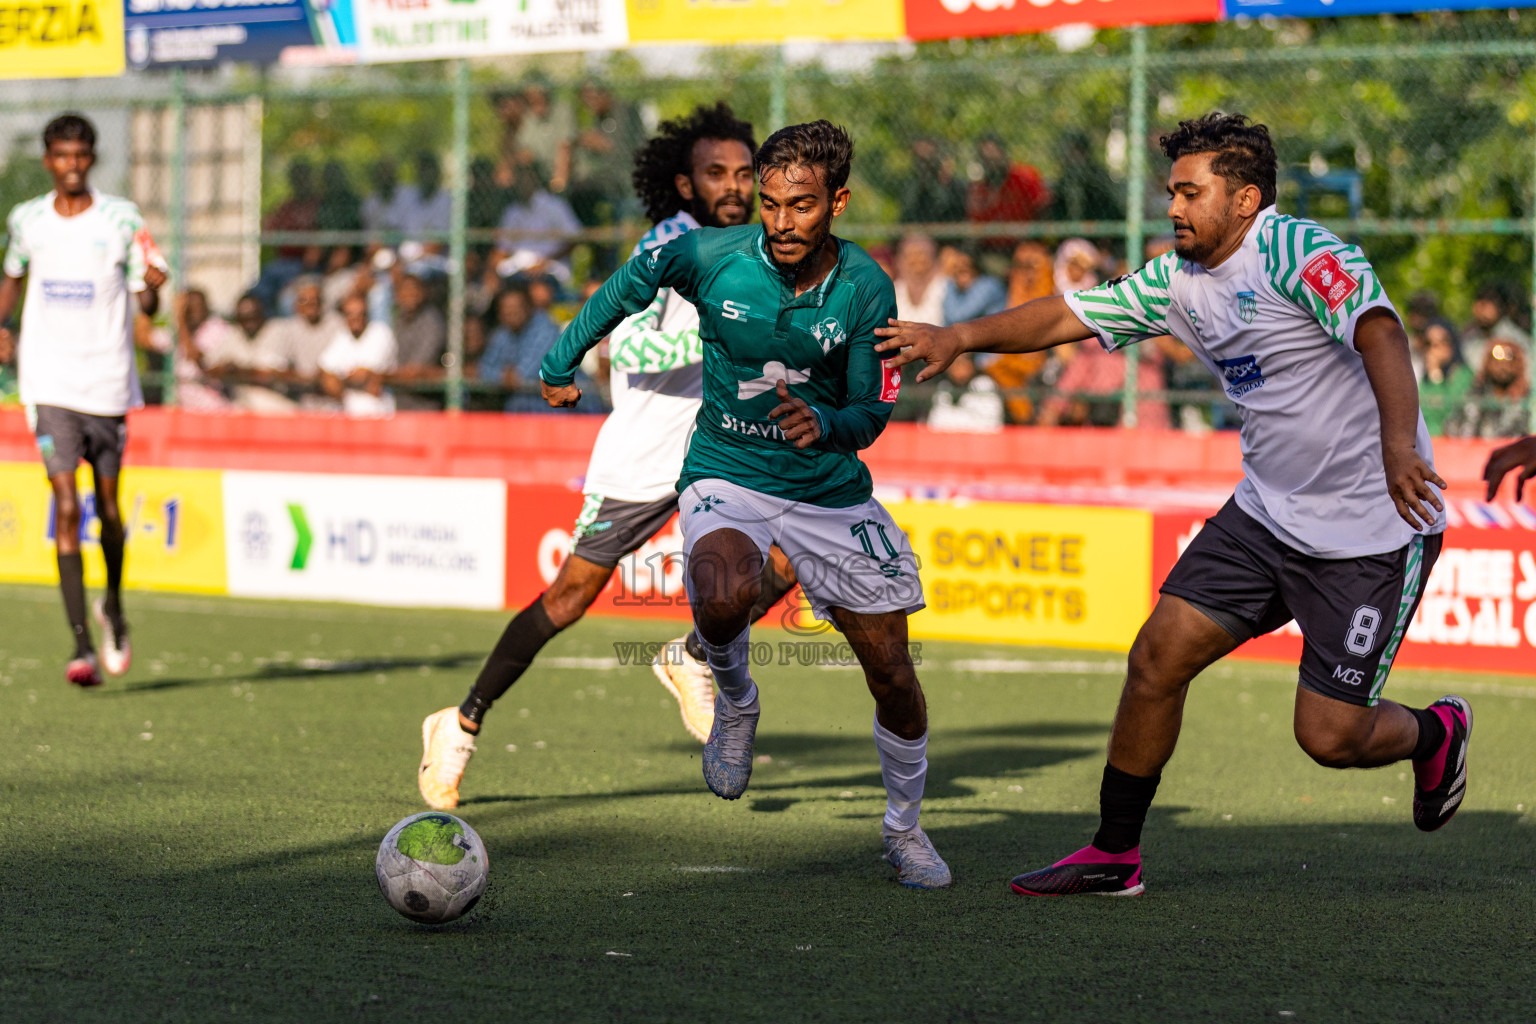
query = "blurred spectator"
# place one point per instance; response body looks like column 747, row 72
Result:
column 920, row 287
column 199, row 334
column 354, row 364
column 1446, row 377
column 1029, row 278
column 244, row 362
column 932, row 191
column 510, row 108
column 1491, row 322
column 1424, row 311
column 380, row 210
column 427, row 209
column 966, row 401
column 291, row 346
column 299, row 212
column 1084, row 190
column 602, row 155
column 421, row 337
column 1077, row 266
column 519, row 341
column 343, row 276
column 545, row 137
column 1089, row 389
column 340, row 208
column 533, row 209
column 1495, row 404
column 970, row 293
column 486, row 199
column 1182, row 371
column 1006, row 191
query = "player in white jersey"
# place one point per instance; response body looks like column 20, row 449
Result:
column 697, row 170
column 1336, row 522
column 82, row 255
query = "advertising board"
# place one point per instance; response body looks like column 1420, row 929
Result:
column 391, row 30
column 173, row 522
column 737, row 21
column 948, row 19
column 61, row 38
column 408, row 541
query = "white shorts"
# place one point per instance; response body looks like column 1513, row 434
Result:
column 855, row 558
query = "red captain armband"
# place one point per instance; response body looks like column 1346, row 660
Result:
column 890, row 381
column 1326, row 276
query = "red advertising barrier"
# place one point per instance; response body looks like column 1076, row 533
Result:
column 946, row 19
column 1479, row 608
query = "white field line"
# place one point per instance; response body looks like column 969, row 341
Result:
column 1020, row 665
column 714, row 869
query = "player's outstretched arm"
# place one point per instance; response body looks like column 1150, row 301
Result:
column 1040, row 324
column 1383, row 346
column 630, row 290
column 1519, row 455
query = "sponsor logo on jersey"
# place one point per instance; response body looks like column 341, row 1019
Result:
column 773, row 372
column 752, row 428
column 830, row 333
column 1349, row 676
column 733, row 310
column 1241, row 374
column 69, row 293
column 707, row 503
column 890, row 384
column 1326, row 276
column 1247, row 306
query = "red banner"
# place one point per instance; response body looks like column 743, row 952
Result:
column 946, row 19
column 1479, row 608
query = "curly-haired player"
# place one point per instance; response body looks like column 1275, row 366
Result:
column 697, row 170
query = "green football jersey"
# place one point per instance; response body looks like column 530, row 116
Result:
column 756, row 332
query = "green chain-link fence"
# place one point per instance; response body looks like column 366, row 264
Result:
column 1414, row 136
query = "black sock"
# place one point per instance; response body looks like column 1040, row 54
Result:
column 72, row 583
column 520, row 643
column 692, row 645
column 1123, row 803
column 112, row 554
column 1431, row 734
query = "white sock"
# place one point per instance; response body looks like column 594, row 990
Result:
column 903, row 768
column 733, row 672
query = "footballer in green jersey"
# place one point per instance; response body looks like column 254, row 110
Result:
column 793, row 389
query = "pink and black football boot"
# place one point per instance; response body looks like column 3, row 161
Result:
column 1088, row 872
column 1440, row 782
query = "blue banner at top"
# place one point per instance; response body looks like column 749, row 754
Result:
column 165, row 33
column 1343, row 8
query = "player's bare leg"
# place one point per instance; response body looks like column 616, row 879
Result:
column 725, row 571
column 683, row 668
column 82, row 669
column 116, row 651
column 879, row 641
column 1337, row 734
column 1176, row 643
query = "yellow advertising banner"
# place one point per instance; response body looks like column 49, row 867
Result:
column 173, row 519
column 61, row 38
column 748, row 21
column 1056, row 575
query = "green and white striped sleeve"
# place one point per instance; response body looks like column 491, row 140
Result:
column 17, row 254
column 130, row 221
column 1326, row 277
column 1130, row 308
column 640, row 345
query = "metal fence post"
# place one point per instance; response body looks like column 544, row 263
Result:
column 1135, row 197
column 778, row 91
column 178, row 212
column 456, row 238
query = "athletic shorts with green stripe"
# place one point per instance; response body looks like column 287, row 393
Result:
column 1353, row 612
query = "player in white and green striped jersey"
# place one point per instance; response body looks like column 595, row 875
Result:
column 85, row 258
column 1336, row 522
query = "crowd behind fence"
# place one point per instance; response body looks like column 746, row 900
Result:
column 442, row 221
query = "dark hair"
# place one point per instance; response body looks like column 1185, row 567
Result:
column 1245, row 155
column 670, row 153
column 820, row 144
column 69, row 128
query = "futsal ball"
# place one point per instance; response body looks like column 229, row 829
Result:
column 432, row 867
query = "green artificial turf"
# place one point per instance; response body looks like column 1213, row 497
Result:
column 196, row 842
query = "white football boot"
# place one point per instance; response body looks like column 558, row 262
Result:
column 917, row 863
column 445, row 752
column 691, row 683
column 116, row 651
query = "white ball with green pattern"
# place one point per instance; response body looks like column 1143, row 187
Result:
column 432, row 867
